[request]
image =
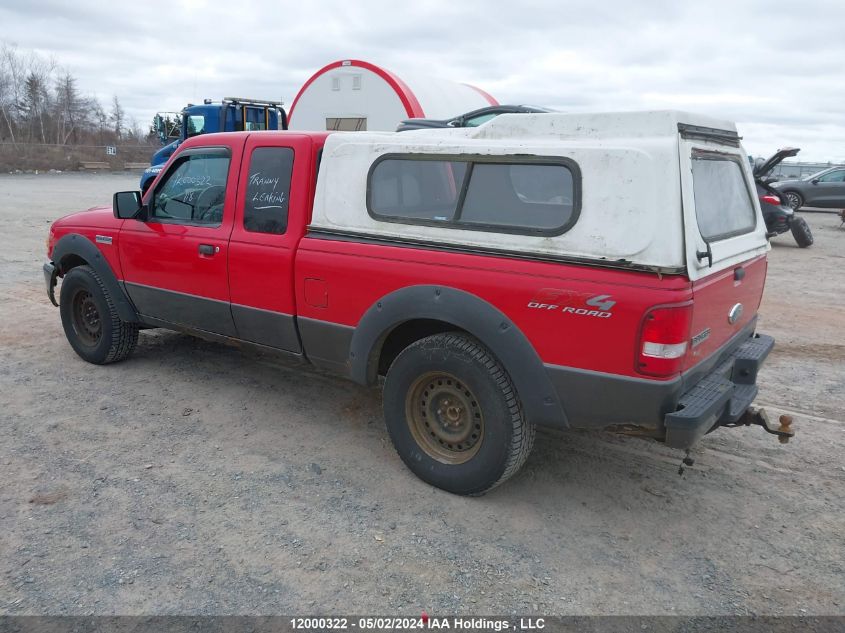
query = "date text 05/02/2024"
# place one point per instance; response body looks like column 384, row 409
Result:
column 424, row 622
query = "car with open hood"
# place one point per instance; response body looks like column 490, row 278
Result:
column 778, row 214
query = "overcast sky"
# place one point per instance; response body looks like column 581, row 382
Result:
column 776, row 68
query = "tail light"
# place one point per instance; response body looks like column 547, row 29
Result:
column 771, row 199
column 664, row 340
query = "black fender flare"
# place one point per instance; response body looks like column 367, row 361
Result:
column 476, row 316
column 80, row 246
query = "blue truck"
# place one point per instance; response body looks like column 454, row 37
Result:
column 231, row 114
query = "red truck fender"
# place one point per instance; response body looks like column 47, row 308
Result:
column 453, row 309
column 73, row 250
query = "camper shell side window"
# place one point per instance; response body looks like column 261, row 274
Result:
column 499, row 194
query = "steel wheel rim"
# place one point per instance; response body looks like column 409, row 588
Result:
column 85, row 317
column 444, row 417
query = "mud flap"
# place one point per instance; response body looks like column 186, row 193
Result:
column 51, row 274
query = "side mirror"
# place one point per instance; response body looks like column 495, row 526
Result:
column 815, row 181
column 159, row 126
column 127, row 205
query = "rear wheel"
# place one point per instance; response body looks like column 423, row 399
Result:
column 90, row 320
column 454, row 415
column 801, row 232
column 794, row 199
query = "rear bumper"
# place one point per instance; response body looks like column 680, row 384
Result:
column 716, row 391
column 720, row 397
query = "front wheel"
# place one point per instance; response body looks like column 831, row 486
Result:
column 454, row 415
column 90, row 320
column 794, row 200
column 801, row 232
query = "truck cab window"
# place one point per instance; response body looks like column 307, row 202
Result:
column 194, row 191
column 268, row 190
column 255, row 120
column 196, row 125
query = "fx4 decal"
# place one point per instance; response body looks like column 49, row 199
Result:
column 571, row 302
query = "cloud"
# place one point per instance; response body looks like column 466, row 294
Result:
column 772, row 66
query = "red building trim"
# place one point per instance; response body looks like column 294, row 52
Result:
column 409, row 100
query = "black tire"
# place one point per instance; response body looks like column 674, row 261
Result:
column 793, row 199
column 454, row 415
column 90, row 320
column 801, row 232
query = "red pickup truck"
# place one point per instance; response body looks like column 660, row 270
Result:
column 598, row 271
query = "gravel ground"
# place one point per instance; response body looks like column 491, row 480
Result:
column 195, row 479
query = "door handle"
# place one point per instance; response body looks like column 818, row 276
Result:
column 208, row 249
column 708, row 255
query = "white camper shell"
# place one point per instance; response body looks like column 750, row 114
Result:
column 666, row 191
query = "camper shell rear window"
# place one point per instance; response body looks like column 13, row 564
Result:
column 500, row 194
column 723, row 204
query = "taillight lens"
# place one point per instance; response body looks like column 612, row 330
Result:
column 664, row 340
column 771, row 199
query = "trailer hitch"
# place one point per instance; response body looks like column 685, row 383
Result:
column 783, row 430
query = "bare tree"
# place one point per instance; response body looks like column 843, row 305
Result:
column 70, row 109
column 101, row 119
column 117, row 116
column 11, row 83
column 33, row 104
column 36, row 98
column 136, row 132
column 6, row 100
column 42, row 103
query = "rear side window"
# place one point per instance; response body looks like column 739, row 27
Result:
column 723, row 204
column 508, row 197
column 268, row 190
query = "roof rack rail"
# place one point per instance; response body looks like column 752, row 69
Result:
column 254, row 102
